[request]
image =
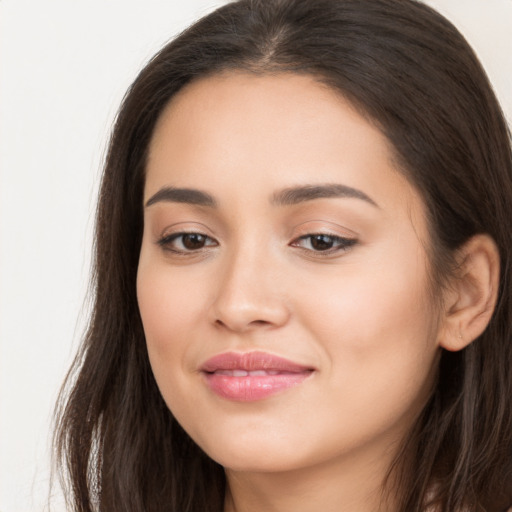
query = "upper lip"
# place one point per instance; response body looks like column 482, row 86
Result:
column 252, row 361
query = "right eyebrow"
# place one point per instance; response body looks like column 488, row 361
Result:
column 182, row 195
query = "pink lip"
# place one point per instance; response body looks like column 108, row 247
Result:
column 252, row 376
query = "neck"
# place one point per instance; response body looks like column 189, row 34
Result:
column 354, row 483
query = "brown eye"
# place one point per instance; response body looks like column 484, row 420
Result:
column 186, row 242
column 320, row 242
column 193, row 241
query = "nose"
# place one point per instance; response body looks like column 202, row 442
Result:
column 249, row 295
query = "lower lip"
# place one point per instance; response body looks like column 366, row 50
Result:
column 252, row 388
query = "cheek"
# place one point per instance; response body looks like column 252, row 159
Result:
column 378, row 331
column 169, row 306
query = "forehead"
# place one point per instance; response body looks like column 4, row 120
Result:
column 266, row 109
column 273, row 131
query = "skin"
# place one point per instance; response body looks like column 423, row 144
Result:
column 360, row 315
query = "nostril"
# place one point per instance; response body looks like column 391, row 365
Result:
column 220, row 323
column 241, row 326
column 259, row 322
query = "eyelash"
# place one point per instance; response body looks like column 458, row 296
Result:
column 340, row 244
column 167, row 241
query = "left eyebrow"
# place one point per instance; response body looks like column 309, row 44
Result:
column 294, row 195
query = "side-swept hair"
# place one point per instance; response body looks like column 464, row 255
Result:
column 409, row 71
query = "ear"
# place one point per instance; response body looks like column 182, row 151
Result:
column 470, row 299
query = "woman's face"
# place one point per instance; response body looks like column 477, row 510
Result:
column 283, row 276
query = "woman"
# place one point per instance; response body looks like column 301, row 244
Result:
column 302, row 273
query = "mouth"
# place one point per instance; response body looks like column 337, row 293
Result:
column 252, row 376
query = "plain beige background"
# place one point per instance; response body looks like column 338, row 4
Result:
column 64, row 67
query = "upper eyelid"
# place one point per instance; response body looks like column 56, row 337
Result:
column 321, row 233
column 179, row 228
column 297, row 237
column 311, row 226
column 350, row 240
column 324, row 227
column 177, row 234
column 326, row 233
column 308, row 231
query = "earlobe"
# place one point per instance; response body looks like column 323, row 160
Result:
column 471, row 298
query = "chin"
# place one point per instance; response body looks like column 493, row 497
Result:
column 262, row 462
column 255, row 453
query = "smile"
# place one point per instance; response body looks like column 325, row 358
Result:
column 252, row 376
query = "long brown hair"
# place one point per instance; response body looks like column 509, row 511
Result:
column 408, row 70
